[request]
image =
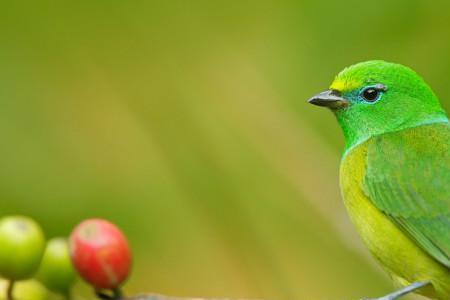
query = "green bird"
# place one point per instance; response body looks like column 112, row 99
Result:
column 395, row 172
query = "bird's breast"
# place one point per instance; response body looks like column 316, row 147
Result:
column 400, row 256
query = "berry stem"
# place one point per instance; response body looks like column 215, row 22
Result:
column 102, row 295
column 111, row 294
column 9, row 291
column 117, row 293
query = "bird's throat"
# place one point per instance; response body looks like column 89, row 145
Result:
column 356, row 136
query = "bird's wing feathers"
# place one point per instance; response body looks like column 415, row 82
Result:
column 408, row 178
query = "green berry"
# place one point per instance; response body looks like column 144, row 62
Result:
column 24, row 290
column 56, row 271
column 22, row 245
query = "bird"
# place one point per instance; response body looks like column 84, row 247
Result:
column 395, row 172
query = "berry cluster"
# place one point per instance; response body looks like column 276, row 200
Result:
column 29, row 266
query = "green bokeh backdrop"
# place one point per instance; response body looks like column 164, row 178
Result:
column 185, row 123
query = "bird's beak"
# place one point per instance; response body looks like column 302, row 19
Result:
column 330, row 98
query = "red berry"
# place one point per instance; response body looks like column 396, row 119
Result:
column 100, row 253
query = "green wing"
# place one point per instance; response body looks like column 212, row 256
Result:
column 408, row 178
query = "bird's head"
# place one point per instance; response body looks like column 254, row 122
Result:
column 375, row 97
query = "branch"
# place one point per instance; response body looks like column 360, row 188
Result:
column 162, row 297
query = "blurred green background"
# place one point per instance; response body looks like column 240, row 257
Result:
column 185, row 123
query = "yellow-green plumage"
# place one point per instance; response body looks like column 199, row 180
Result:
column 404, row 260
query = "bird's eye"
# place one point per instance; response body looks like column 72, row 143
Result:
column 370, row 94
column 373, row 93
